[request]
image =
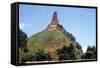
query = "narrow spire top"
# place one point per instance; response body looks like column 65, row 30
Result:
column 54, row 18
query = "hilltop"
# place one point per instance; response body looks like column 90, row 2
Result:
column 51, row 39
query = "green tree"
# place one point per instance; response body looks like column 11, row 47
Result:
column 27, row 57
column 41, row 56
column 90, row 53
column 23, row 41
column 70, row 35
column 66, row 53
column 78, row 46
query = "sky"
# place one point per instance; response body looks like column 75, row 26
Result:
column 81, row 22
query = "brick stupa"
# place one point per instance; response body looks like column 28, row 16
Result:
column 54, row 25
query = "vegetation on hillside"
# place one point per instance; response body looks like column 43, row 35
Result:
column 23, row 41
column 66, row 53
column 22, row 44
column 52, row 46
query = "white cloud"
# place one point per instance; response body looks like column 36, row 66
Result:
column 24, row 25
column 21, row 25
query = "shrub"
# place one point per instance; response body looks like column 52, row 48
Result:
column 66, row 53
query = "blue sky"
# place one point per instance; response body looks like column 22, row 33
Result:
column 78, row 21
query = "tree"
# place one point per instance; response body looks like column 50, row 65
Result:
column 66, row 53
column 70, row 35
column 27, row 57
column 78, row 45
column 40, row 55
column 90, row 53
column 91, row 48
column 23, row 41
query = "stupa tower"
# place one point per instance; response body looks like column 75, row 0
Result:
column 54, row 19
column 54, row 23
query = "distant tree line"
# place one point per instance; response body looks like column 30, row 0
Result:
column 90, row 53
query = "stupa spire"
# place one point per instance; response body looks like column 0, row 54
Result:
column 54, row 18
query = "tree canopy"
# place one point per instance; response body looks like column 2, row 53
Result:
column 23, row 40
column 66, row 53
column 90, row 53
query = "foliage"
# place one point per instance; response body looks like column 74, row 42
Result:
column 57, row 42
column 22, row 41
column 78, row 45
column 90, row 53
column 38, row 56
column 41, row 56
column 21, row 54
column 70, row 35
column 46, row 38
column 66, row 53
column 22, row 45
column 27, row 57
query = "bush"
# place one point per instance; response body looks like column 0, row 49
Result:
column 27, row 58
column 90, row 53
column 23, row 41
column 66, row 53
column 41, row 56
column 78, row 45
